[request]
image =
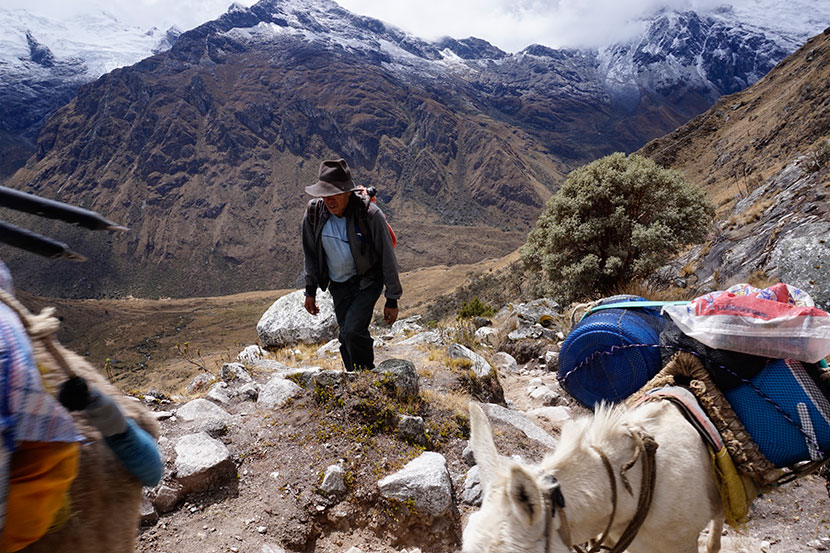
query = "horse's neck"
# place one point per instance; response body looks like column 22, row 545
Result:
column 587, row 489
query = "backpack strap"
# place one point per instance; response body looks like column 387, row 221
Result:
column 314, row 213
column 361, row 223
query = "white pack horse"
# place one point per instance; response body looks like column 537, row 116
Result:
column 593, row 484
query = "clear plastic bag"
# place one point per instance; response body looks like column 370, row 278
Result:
column 780, row 322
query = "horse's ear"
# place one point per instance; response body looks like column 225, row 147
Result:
column 525, row 496
column 484, row 448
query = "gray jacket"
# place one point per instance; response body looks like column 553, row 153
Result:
column 374, row 257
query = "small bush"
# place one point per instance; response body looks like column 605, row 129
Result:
column 819, row 157
column 614, row 220
column 475, row 308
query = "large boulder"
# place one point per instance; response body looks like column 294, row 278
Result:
column 425, row 481
column 287, row 322
column 803, row 260
column 202, row 462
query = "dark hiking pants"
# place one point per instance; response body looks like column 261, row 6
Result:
column 353, row 309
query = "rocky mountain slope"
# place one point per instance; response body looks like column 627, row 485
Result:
column 44, row 61
column 203, row 150
column 764, row 155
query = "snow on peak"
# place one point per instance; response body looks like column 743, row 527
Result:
column 97, row 39
column 237, row 7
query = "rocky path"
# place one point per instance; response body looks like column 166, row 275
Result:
column 274, row 503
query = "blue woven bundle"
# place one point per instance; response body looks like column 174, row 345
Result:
column 611, row 354
column 785, row 412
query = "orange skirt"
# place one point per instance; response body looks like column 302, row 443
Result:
column 40, row 476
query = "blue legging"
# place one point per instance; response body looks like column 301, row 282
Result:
column 137, row 449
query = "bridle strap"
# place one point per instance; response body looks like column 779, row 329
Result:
column 555, row 499
column 597, row 545
column 645, row 443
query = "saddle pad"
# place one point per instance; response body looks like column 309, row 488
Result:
column 785, row 412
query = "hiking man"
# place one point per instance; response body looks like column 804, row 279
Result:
column 348, row 248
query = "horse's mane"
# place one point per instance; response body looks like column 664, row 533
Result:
column 607, row 424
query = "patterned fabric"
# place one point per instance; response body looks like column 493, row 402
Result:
column 780, row 322
column 28, row 412
column 5, row 279
column 781, row 293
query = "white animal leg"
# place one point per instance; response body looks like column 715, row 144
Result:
column 715, row 531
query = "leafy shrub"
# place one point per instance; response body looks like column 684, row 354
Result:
column 475, row 308
column 819, row 157
column 614, row 220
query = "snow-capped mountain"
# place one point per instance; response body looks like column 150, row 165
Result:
column 202, row 150
column 722, row 50
column 43, row 62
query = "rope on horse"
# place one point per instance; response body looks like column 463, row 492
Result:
column 39, row 327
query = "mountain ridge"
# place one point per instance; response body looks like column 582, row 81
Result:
column 203, row 150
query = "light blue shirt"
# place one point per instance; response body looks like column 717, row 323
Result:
column 338, row 254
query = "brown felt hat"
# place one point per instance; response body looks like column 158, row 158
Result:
column 334, row 178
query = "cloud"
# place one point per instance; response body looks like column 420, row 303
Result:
column 511, row 25
column 186, row 14
column 514, row 24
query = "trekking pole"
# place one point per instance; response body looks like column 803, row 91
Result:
column 29, row 203
column 36, row 243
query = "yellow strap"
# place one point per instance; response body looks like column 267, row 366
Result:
column 736, row 491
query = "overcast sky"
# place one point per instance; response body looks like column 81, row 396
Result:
column 509, row 24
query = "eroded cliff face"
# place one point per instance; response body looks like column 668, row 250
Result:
column 764, row 155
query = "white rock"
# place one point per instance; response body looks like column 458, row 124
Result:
column 519, row 421
column 220, row 393
column 410, row 324
column 432, row 337
column 202, row 461
column 424, row 480
column 200, row 382
column 201, row 409
column 236, row 372
column 557, row 414
column 480, row 367
column 486, row 335
column 330, row 348
column 250, row 354
column 277, row 392
column 504, row 362
column 334, row 481
column 287, row 322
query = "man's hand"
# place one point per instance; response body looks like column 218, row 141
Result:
column 311, row 305
column 390, row 315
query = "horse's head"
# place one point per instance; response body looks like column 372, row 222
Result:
column 518, row 513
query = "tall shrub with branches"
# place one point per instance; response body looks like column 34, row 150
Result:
column 614, row 220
